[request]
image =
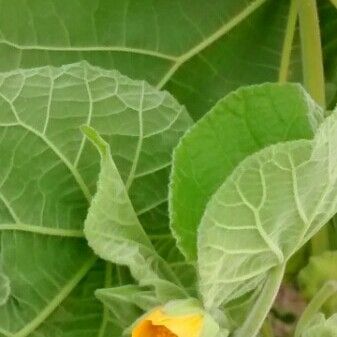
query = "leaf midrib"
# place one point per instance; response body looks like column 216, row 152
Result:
column 224, row 29
column 23, row 227
column 57, row 300
column 93, row 48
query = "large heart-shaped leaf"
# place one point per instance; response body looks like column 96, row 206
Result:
column 199, row 50
column 242, row 123
column 271, row 204
column 48, row 174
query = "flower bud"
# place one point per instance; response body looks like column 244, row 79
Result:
column 181, row 318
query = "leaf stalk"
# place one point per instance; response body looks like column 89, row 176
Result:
column 329, row 289
column 261, row 308
column 312, row 56
column 313, row 75
column 288, row 41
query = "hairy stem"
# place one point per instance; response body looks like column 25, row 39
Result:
column 259, row 312
column 329, row 289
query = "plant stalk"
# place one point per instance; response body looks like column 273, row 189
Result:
column 288, row 41
column 261, row 308
column 329, row 289
column 312, row 56
column 313, row 75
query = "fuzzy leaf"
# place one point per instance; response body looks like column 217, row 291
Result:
column 115, row 234
column 48, row 174
column 273, row 203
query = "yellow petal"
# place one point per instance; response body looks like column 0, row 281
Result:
column 159, row 324
column 144, row 328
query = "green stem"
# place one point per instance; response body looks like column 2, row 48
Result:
column 312, row 57
column 288, row 41
column 329, row 289
column 259, row 312
column 313, row 74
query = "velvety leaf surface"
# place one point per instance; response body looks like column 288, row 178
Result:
column 48, row 174
column 240, row 124
column 272, row 203
column 193, row 48
column 115, row 234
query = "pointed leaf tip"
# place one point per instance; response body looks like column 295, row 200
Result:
column 95, row 138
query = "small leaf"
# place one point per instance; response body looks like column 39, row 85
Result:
column 269, row 207
column 115, row 234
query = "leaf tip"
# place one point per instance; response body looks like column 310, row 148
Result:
column 95, row 138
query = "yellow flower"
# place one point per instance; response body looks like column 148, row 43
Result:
column 160, row 324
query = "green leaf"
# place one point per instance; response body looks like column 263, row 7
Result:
column 79, row 314
column 242, row 123
column 115, row 234
column 48, row 174
column 272, row 204
column 197, row 50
